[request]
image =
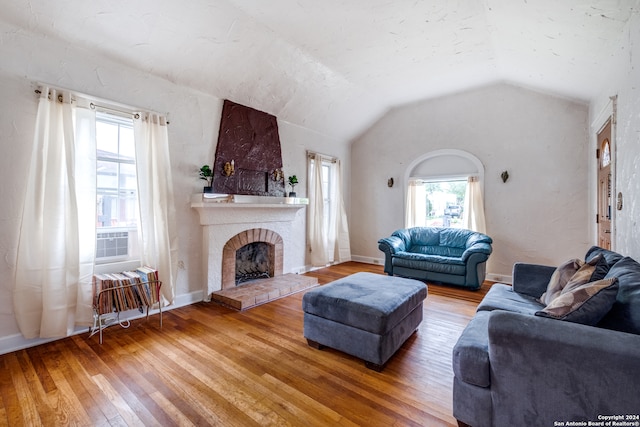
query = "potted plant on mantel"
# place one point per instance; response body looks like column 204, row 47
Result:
column 207, row 174
column 293, row 181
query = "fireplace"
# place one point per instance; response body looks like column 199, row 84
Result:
column 237, row 221
column 251, row 253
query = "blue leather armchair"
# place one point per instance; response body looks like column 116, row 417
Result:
column 449, row 255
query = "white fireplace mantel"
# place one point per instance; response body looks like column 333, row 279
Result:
column 224, row 217
column 246, row 209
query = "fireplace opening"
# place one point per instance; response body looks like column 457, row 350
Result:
column 254, row 261
column 261, row 244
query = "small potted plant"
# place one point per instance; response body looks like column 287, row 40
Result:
column 207, row 174
column 293, row 181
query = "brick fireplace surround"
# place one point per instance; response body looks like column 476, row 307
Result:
column 254, row 235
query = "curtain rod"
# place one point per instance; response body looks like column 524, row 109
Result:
column 104, row 107
column 93, row 105
column 312, row 155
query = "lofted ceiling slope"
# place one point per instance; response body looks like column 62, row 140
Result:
column 336, row 66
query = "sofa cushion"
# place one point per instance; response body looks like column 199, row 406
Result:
column 625, row 314
column 610, row 256
column 560, row 278
column 502, row 297
column 471, row 352
column 586, row 303
column 428, row 236
column 442, row 236
column 442, row 251
column 455, row 237
column 601, row 267
column 435, row 263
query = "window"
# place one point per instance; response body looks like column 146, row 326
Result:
column 326, row 186
column 444, row 189
column 327, row 228
column 327, row 192
column 116, row 189
column 445, row 203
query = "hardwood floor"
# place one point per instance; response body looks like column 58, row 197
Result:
column 210, row 365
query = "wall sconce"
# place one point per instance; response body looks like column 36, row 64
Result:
column 229, row 168
column 278, row 175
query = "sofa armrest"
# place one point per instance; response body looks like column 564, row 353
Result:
column 391, row 245
column 477, row 248
column 531, row 279
column 544, row 370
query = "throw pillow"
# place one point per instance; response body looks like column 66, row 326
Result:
column 602, row 267
column 593, row 270
column 586, row 304
column 559, row 279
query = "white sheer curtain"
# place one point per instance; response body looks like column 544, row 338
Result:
column 157, row 225
column 315, row 221
column 327, row 227
column 54, row 264
column 416, row 207
column 342, row 247
column 474, row 206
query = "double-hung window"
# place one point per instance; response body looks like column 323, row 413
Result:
column 116, row 189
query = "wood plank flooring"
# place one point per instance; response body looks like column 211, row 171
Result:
column 210, row 365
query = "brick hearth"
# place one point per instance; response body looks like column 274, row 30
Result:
column 262, row 291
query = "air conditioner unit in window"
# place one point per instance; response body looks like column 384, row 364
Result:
column 112, row 244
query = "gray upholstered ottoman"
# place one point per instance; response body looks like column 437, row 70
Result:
column 366, row 315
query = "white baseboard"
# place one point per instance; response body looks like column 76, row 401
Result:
column 367, row 260
column 17, row 342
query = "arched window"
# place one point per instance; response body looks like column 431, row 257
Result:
column 444, row 189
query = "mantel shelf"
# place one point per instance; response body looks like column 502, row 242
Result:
column 235, row 200
column 246, row 209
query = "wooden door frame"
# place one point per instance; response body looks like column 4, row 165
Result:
column 597, row 125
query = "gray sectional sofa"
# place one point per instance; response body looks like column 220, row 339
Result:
column 520, row 362
column 449, row 255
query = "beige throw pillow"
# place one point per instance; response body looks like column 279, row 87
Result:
column 559, row 279
column 587, row 303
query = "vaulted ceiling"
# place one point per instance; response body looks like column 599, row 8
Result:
column 335, row 66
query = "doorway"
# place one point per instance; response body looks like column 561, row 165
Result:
column 604, row 156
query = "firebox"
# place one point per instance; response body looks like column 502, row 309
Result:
column 254, row 261
column 251, row 254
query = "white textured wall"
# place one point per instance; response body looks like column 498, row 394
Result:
column 539, row 215
column 624, row 82
column 194, row 118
